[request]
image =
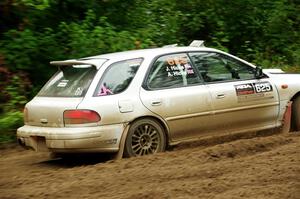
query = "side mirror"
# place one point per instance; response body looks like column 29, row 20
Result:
column 258, row 73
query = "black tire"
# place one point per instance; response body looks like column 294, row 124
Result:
column 145, row 136
column 296, row 114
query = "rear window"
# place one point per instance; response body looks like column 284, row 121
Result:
column 117, row 77
column 69, row 81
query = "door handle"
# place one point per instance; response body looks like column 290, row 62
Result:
column 220, row 96
column 44, row 121
column 156, row 102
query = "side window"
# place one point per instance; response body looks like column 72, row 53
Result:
column 215, row 67
column 172, row 71
column 243, row 71
column 117, row 77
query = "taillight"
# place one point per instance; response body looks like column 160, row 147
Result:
column 81, row 116
column 25, row 112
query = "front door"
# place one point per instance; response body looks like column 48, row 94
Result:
column 240, row 101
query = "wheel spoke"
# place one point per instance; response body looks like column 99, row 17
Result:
column 141, row 152
column 139, row 131
column 143, row 129
column 135, row 138
column 156, row 138
column 146, row 129
column 153, row 133
column 137, row 150
column 152, row 149
column 134, row 142
column 150, row 130
column 136, row 146
column 148, row 151
column 154, row 144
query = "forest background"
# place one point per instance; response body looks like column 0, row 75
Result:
column 35, row 32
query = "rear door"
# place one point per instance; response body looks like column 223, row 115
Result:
column 240, row 101
column 174, row 91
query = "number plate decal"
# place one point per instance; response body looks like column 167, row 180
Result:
column 263, row 87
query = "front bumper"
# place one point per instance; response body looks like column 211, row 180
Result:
column 71, row 140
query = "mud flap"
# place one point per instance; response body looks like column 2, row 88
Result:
column 286, row 127
column 119, row 155
column 38, row 143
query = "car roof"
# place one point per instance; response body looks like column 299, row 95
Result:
column 98, row 60
column 153, row 52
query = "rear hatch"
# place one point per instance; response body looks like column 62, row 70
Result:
column 64, row 91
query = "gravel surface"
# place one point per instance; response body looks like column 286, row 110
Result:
column 259, row 167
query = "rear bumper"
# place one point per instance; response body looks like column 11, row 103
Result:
column 71, row 140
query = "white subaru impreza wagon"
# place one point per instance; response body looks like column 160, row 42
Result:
column 141, row 101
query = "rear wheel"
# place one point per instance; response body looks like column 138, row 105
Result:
column 296, row 114
column 145, row 136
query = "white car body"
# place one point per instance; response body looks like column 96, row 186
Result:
column 184, row 113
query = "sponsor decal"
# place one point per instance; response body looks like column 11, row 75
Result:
column 244, row 89
column 252, row 88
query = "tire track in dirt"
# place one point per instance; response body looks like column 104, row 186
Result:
column 259, row 167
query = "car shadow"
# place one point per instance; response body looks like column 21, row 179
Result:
column 77, row 160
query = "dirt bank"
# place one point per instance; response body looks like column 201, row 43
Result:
column 260, row 167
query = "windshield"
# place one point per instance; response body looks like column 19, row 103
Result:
column 69, row 81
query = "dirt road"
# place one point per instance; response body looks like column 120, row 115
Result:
column 260, row 167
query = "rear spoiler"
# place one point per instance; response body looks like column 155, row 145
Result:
column 95, row 62
column 68, row 62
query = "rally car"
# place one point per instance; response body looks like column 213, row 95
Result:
column 140, row 102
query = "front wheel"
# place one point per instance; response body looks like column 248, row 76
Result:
column 296, row 114
column 145, row 136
